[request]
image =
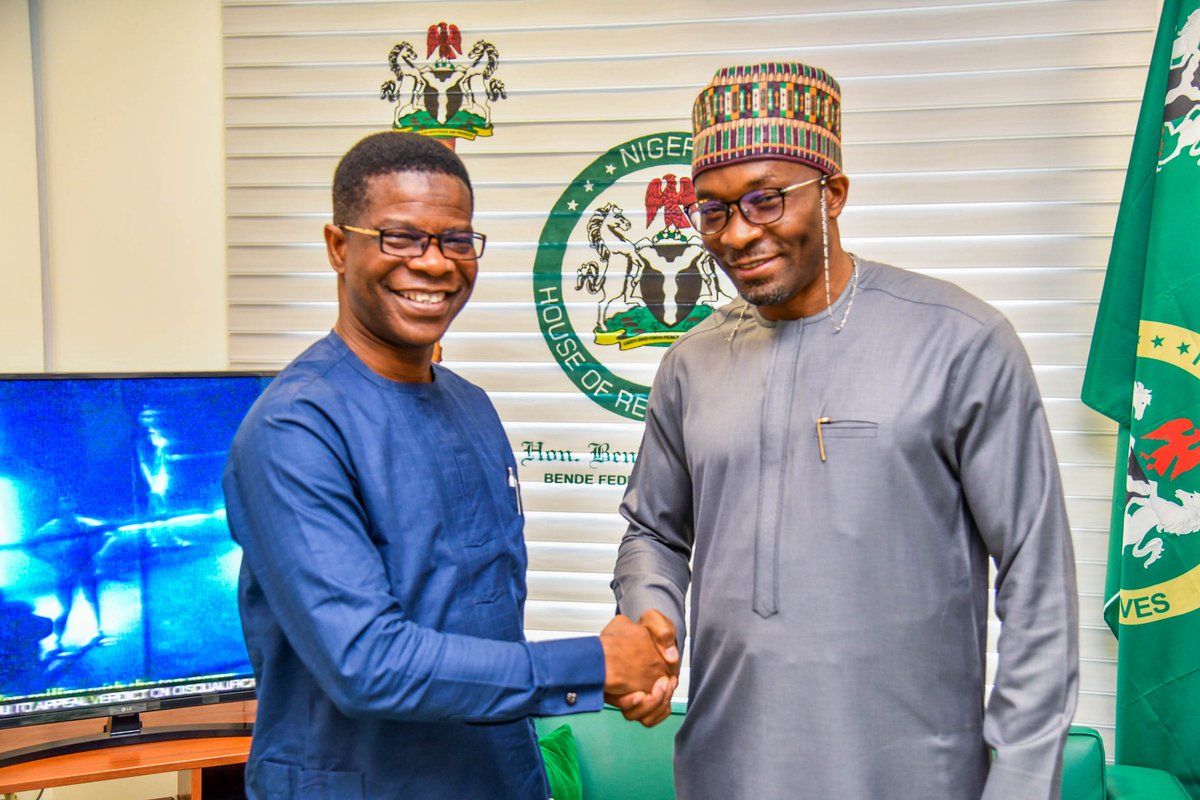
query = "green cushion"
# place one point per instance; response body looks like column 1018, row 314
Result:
column 1083, row 765
column 562, row 764
column 1139, row 783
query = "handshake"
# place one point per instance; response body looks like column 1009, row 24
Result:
column 641, row 666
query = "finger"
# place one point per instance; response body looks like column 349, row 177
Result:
column 659, row 716
column 656, row 714
column 665, row 707
column 637, row 706
column 627, row 701
column 649, row 711
column 659, row 626
column 638, row 712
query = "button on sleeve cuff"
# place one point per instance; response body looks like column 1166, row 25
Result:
column 569, row 674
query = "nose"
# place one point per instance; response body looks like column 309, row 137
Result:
column 432, row 261
column 738, row 232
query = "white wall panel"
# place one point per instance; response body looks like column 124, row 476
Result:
column 132, row 96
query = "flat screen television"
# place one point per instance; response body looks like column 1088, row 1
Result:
column 118, row 576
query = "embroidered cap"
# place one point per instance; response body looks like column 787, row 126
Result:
column 775, row 110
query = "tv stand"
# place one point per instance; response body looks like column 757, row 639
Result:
column 197, row 741
column 122, row 725
column 121, row 730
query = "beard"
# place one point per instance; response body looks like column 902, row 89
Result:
column 779, row 289
column 762, row 293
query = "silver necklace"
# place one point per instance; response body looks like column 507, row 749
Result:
column 837, row 326
column 741, row 319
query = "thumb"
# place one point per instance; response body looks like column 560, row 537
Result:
column 663, row 632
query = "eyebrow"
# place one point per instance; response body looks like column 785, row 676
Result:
column 408, row 226
column 758, row 183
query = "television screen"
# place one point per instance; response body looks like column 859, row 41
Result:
column 118, row 577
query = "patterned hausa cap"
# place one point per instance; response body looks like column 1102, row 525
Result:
column 775, row 110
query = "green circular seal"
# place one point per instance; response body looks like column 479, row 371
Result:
column 1160, row 547
column 620, row 273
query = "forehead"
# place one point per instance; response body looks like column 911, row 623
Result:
column 734, row 180
column 404, row 195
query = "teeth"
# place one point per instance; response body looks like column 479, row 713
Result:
column 424, row 297
column 753, row 264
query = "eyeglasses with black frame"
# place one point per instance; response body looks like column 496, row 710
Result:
column 759, row 207
column 407, row 243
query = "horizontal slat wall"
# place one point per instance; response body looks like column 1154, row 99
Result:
column 986, row 144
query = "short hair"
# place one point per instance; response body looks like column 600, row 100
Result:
column 383, row 154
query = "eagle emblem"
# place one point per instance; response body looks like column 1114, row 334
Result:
column 663, row 194
column 446, row 40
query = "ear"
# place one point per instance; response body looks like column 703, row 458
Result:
column 837, row 188
column 335, row 247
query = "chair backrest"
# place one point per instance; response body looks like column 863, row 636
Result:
column 1083, row 765
column 620, row 760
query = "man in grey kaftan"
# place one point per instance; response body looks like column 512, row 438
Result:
column 839, row 571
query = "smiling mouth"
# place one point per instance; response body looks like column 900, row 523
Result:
column 424, row 298
column 752, row 264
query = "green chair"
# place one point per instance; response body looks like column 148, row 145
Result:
column 620, row 760
column 1083, row 765
column 1140, row 783
column 1085, row 775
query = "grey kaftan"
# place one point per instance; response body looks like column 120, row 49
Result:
column 839, row 607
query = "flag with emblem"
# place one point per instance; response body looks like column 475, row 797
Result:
column 1144, row 372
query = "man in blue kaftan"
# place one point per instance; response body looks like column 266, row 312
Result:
column 375, row 496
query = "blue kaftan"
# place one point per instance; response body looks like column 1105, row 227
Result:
column 382, row 591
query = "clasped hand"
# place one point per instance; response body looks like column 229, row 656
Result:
column 641, row 666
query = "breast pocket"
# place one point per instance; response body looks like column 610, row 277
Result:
column 833, row 427
column 830, row 429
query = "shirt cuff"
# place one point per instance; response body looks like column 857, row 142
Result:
column 569, row 674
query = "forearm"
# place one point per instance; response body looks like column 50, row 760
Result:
column 315, row 575
column 1021, row 516
column 465, row 678
column 648, row 575
column 1035, row 688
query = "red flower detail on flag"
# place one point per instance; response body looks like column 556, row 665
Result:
column 1182, row 447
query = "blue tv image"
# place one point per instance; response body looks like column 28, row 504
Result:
column 118, row 577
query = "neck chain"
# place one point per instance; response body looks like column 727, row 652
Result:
column 837, row 326
column 741, row 319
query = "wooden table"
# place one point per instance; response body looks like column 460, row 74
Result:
column 189, row 757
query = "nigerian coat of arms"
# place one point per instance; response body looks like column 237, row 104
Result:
column 445, row 97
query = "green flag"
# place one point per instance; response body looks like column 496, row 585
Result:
column 1144, row 372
